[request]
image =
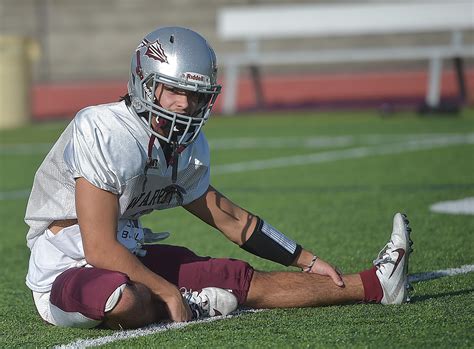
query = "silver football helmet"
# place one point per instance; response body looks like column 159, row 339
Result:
column 180, row 58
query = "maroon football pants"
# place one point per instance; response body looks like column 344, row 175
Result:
column 86, row 290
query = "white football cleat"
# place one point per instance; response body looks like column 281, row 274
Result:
column 211, row 301
column 392, row 263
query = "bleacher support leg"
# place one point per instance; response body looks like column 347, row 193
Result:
column 462, row 88
column 257, row 85
column 434, row 83
column 230, row 90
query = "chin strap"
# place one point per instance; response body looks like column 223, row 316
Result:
column 149, row 160
column 173, row 188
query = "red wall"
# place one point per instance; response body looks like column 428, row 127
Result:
column 63, row 100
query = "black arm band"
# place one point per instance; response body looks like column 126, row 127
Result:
column 268, row 243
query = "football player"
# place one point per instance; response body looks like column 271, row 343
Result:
column 93, row 264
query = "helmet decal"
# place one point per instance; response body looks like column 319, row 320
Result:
column 154, row 50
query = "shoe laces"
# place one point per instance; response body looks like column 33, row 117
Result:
column 195, row 302
column 384, row 257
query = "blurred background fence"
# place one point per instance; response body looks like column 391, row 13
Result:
column 85, row 48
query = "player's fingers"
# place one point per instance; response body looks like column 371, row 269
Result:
column 336, row 277
column 179, row 311
column 189, row 313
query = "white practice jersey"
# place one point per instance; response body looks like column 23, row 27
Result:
column 108, row 146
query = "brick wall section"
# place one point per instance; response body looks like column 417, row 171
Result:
column 93, row 40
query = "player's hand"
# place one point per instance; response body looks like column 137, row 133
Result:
column 323, row 268
column 177, row 308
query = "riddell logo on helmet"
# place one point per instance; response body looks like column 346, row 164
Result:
column 196, row 77
column 190, row 76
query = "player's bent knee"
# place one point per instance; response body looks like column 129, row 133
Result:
column 134, row 308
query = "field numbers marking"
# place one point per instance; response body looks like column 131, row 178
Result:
column 461, row 206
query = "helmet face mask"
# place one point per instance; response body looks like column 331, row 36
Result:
column 181, row 59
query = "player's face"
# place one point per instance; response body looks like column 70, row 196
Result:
column 174, row 100
column 177, row 100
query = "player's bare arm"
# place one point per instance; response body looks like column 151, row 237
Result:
column 238, row 225
column 219, row 212
column 97, row 212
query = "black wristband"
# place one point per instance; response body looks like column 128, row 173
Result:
column 268, row 243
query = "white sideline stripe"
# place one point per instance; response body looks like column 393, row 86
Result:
column 257, row 142
column 431, row 275
column 314, row 158
column 352, row 153
column 228, row 143
column 14, row 194
column 25, row 148
column 317, row 141
column 145, row 331
column 152, row 329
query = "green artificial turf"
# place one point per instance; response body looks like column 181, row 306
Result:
column 341, row 209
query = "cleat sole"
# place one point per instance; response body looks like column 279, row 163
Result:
column 408, row 286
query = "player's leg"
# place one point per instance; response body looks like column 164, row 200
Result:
column 136, row 308
column 295, row 290
column 211, row 286
column 88, row 297
column 386, row 282
column 183, row 268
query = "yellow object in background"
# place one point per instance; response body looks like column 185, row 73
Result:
column 17, row 55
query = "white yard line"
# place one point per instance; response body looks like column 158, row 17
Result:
column 461, row 206
column 25, row 148
column 319, row 157
column 156, row 328
column 145, row 331
column 469, row 268
column 260, row 142
column 235, row 143
column 351, row 153
column 14, row 194
column 317, row 141
column 281, row 142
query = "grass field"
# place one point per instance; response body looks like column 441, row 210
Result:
column 332, row 182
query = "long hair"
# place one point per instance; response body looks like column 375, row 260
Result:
column 127, row 99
